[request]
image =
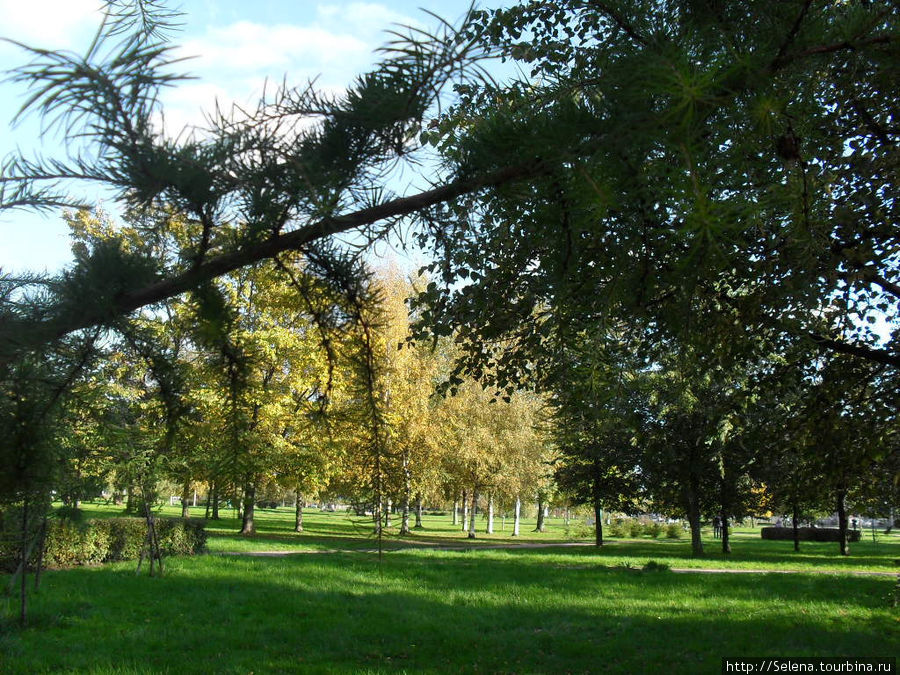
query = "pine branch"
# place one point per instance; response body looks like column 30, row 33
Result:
column 21, row 335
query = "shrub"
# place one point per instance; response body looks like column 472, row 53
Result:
column 635, row 528
column 127, row 537
column 653, row 528
column 70, row 543
column 673, row 531
column 181, row 537
column 653, row 566
column 617, row 528
column 809, row 533
column 579, row 530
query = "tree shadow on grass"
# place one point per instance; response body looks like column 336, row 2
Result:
column 451, row 612
column 767, row 554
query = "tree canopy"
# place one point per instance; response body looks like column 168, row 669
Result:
column 696, row 199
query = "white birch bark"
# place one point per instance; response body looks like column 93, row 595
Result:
column 518, row 517
column 490, row 520
column 472, row 513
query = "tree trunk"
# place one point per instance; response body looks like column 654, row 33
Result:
column 518, row 518
column 694, row 522
column 465, row 514
column 842, row 520
column 472, row 513
column 387, row 512
column 540, row 513
column 129, row 500
column 376, row 517
column 298, row 512
column 596, row 493
column 407, row 495
column 795, row 520
column 42, row 544
column 215, row 501
column 726, row 542
column 247, row 526
column 455, row 512
column 151, row 543
column 404, row 518
column 419, row 525
column 185, row 500
column 490, row 519
column 23, row 592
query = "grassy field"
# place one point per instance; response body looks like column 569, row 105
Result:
column 341, row 531
column 570, row 609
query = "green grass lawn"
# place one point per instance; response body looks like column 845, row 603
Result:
column 342, row 531
column 427, row 610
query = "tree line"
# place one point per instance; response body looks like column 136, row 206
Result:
column 676, row 228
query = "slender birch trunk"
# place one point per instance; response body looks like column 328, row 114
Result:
column 455, row 512
column 518, row 517
column 419, row 525
column 407, row 495
column 490, row 519
column 465, row 514
column 298, row 512
column 472, row 513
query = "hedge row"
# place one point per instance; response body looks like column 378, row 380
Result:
column 71, row 543
column 808, row 533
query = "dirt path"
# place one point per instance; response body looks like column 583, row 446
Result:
column 441, row 546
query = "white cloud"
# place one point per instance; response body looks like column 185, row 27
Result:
column 252, row 46
column 364, row 18
column 49, row 23
column 234, row 60
column 185, row 106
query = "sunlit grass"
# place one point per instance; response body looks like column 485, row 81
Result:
column 330, row 531
column 439, row 611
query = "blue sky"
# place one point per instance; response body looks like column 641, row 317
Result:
column 236, row 46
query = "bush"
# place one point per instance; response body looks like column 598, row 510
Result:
column 579, row 530
column 181, row 537
column 808, row 533
column 71, row 543
column 653, row 566
column 617, row 528
column 653, row 529
column 673, row 531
